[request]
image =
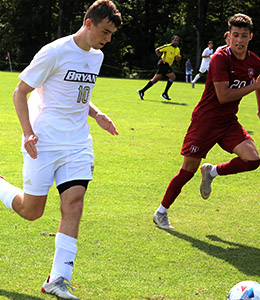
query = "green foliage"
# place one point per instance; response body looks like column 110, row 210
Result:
column 122, row 255
column 26, row 25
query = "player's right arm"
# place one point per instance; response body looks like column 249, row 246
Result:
column 159, row 54
column 206, row 53
column 20, row 102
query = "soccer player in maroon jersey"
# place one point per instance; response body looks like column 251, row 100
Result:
column 233, row 73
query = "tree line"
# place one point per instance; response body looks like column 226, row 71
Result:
column 27, row 25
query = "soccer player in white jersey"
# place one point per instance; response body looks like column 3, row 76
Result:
column 56, row 141
column 226, row 39
column 204, row 66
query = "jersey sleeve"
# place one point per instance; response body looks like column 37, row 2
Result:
column 205, row 52
column 40, row 67
column 163, row 48
column 219, row 68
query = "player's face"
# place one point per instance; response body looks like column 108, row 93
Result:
column 239, row 39
column 175, row 42
column 100, row 34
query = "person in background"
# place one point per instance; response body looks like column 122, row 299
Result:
column 188, row 70
column 168, row 53
column 204, row 66
column 56, row 141
column 226, row 39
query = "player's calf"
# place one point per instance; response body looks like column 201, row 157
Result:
column 237, row 165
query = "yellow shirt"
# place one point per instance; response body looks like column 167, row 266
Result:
column 169, row 53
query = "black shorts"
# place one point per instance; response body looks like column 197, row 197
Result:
column 164, row 68
column 66, row 185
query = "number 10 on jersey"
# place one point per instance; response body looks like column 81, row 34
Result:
column 83, row 94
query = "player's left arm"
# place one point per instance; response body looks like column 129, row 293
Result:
column 178, row 55
column 226, row 94
column 102, row 119
column 178, row 58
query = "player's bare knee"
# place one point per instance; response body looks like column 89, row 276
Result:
column 73, row 207
column 31, row 215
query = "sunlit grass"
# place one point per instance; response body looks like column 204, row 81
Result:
column 121, row 254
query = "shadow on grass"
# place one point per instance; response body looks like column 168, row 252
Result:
column 165, row 102
column 17, row 296
column 242, row 257
column 174, row 103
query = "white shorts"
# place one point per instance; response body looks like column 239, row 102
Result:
column 204, row 67
column 61, row 166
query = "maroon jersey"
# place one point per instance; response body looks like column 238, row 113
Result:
column 224, row 66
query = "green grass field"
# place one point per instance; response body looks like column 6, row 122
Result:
column 121, row 254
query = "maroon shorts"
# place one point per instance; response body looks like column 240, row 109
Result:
column 200, row 139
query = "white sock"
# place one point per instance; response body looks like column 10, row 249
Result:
column 162, row 209
column 196, row 78
column 213, row 172
column 8, row 193
column 64, row 257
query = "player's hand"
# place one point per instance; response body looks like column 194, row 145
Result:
column 178, row 58
column 29, row 144
column 106, row 123
column 257, row 82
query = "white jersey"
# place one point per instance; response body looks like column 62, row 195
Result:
column 63, row 76
column 205, row 61
column 220, row 47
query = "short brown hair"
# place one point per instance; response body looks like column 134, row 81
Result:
column 102, row 9
column 240, row 20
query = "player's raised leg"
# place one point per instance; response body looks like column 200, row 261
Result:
column 29, row 207
column 247, row 160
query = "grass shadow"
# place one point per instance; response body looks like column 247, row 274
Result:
column 242, row 257
column 165, row 102
column 174, row 103
column 17, row 296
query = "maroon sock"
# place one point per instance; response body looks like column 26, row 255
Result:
column 237, row 165
column 175, row 186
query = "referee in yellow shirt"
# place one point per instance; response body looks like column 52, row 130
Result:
column 168, row 53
